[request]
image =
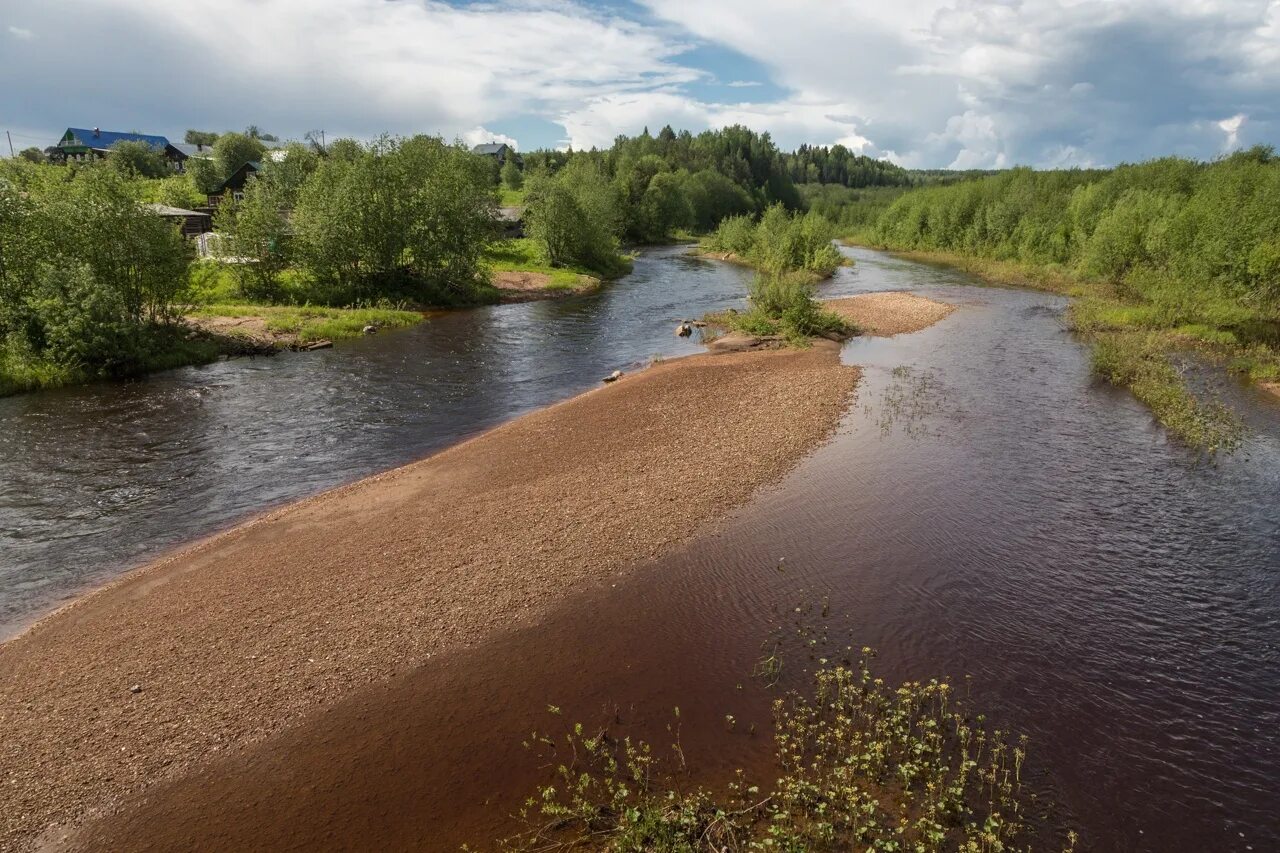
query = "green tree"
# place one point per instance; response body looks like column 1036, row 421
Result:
column 288, row 171
column 575, row 216
column 33, row 155
column 134, row 158
column 233, row 150
column 201, row 137
column 256, row 232
column 402, row 218
column 662, row 209
column 204, row 174
column 512, row 177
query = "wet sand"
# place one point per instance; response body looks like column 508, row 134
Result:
column 240, row 637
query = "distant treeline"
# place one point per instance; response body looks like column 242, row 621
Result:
column 1168, row 230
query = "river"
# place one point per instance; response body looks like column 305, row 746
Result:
column 985, row 510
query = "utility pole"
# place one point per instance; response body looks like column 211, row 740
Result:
column 10, row 138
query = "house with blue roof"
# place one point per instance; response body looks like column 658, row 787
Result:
column 80, row 143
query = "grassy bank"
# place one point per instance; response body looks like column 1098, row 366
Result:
column 524, row 256
column 1135, row 345
column 1159, row 257
column 301, row 324
column 160, row 347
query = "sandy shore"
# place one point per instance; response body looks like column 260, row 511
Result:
column 891, row 313
column 239, row 637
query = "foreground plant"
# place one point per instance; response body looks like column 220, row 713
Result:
column 859, row 765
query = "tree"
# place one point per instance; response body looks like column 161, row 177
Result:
column 256, row 231
column 87, row 271
column 33, row 155
column 254, row 132
column 575, row 216
column 204, row 174
column 134, row 158
column 288, row 171
column 663, row 208
column 512, row 177
column 201, row 137
column 177, row 191
column 233, row 150
column 403, row 218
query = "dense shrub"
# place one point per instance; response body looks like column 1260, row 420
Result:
column 399, row 218
column 575, row 217
column 780, row 242
column 1166, row 230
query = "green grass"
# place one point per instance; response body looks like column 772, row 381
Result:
column 510, row 198
column 523, row 255
column 313, row 323
column 1139, row 361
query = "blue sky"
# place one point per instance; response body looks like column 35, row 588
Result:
column 927, row 83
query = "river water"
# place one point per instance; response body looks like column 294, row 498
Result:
column 985, row 510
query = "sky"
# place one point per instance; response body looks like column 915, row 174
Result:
column 925, row 83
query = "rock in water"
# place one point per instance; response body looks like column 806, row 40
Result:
column 613, row 377
column 369, row 330
column 684, row 330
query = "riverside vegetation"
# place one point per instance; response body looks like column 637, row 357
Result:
column 93, row 285
column 1160, row 256
column 857, row 764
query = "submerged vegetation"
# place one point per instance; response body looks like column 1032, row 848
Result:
column 858, row 765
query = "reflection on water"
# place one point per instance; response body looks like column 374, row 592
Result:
column 986, row 511
column 100, row 478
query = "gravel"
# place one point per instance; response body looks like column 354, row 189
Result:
column 890, row 313
column 238, row 637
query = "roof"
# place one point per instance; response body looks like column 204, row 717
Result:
column 106, row 138
column 165, row 210
column 251, row 165
column 193, row 150
column 489, row 148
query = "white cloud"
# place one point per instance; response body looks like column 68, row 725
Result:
column 928, row 82
column 1231, row 127
column 352, row 66
column 992, row 82
column 597, row 122
column 479, row 135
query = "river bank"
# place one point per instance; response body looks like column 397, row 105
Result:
column 1240, row 340
column 230, row 640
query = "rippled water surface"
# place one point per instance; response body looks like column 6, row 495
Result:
column 986, row 509
column 99, row 478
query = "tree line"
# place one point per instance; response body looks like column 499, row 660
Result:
column 1171, row 231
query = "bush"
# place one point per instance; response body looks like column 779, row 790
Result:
column 78, row 322
column 575, row 218
column 735, row 235
column 400, row 218
column 780, row 243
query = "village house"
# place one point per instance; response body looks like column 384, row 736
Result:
column 233, row 186
column 500, row 151
column 79, row 143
